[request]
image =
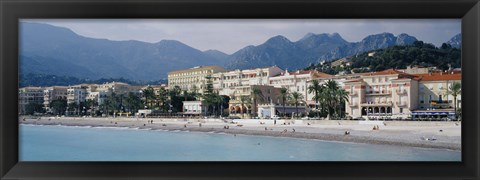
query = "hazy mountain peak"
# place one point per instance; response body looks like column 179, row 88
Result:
column 456, row 41
column 277, row 39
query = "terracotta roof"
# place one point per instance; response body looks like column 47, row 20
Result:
column 355, row 80
column 386, row 72
column 439, row 76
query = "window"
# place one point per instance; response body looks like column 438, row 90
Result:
column 401, row 110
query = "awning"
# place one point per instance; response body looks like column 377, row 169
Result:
column 433, row 113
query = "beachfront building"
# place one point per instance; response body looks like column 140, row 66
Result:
column 29, row 95
column 226, row 83
column 116, row 87
column 53, row 93
column 192, row 78
column 380, row 95
column 76, row 94
column 434, row 100
column 298, row 81
column 248, row 108
column 269, row 110
column 193, row 108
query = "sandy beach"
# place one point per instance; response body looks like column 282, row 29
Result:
column 442, row 135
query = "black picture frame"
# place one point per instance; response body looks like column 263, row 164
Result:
column 12, row 10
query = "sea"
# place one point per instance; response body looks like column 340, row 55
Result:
column 72, row 143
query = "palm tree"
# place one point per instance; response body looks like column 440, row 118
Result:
column 342, row 97
column 315, row 88
column 148, row 93
column 455, row 89
column 296, row 98
column 256, row 94
column 333, row 96
column 91, row 104
column 284, row 95
column 244, row 100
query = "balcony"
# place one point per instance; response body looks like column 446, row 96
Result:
column 401, row 91
column 401, row 104
column 382, row 103
column 378, row 93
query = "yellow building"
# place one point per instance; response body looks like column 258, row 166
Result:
column 434, row 90
column 188, row 79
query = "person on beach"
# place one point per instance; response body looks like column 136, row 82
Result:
column 347, row 132
column 185, row 126
column 293, row 130
column 199, row 124
column 266, row 128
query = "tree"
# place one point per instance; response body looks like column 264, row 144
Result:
column 284, row 94
column 256, row 95
column 244, row 101
column 148, row 94
column 133, row 102
column 91, row 104
column 72, row 106
column 296, row 98
column 32, row 108
column 342, row 97
column 59, row 106
column 333, row 96
column 455, row 89
column 315, row 88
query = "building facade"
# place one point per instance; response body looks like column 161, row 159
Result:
column 237, row 108
column 29, row 95
column 53, row 93
column 385, row 94
column 298, row 81
column 226, row 83
column 192, row 78
column 434, row 90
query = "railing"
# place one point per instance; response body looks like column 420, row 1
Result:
column 383, row 92
column 382, row 103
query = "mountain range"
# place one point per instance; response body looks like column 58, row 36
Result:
column 47, row 49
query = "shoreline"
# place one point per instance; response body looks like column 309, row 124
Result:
column 410, row 136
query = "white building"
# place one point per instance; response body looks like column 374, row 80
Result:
column 53, row 93
column 298, row 81
column 226, row 82
column 384, row 94
column 76, row 94
column 193, row 108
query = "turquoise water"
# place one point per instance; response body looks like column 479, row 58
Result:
column 62, row 143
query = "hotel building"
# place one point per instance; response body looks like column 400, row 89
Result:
column 270, row 95
column 53, row 93
column 187, row 79
column 29, row 95
column 226, row 83
column 434, row 100
column 385, row 94
column 298, row 81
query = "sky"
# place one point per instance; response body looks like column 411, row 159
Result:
column 230, row 35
